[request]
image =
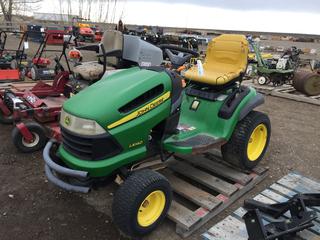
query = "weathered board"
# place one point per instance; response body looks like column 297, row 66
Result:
column 233, row 226
column 285, row 91
column 203, row 187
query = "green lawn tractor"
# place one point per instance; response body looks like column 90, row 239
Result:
column 144, row 112
column 278, row 72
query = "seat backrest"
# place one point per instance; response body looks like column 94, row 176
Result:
column 112, row 40
column 227, row 51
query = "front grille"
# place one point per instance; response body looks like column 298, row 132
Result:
column 92, row 148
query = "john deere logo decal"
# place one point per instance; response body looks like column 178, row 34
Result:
column 67, row 120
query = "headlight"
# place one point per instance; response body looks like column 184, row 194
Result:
column 80, row 126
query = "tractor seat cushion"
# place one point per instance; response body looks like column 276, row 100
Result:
column 90, row 71
column 226, row 59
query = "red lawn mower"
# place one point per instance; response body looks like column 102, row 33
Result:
column 35, row 109
column 41, row 66
column 13, row 61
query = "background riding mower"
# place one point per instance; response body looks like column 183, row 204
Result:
column 144, row 111
column 81, row 29
column 116, row 51
column 285, row 71
column 278, row 72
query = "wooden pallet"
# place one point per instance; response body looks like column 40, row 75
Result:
column 293, row 94
column 284, row 91
column 203, row 187
column 233, row 226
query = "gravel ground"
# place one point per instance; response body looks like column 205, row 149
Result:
column 32, row 208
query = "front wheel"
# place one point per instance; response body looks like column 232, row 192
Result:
column 141, row 203
column 37, row 143
column 262, row 80
column 249, row 141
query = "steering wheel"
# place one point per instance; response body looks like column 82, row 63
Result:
column 178, row 55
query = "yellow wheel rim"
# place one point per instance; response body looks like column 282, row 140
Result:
column 257, row 142
column 151, row 208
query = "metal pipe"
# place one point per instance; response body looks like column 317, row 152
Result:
column 60, row 169
column 66, row 186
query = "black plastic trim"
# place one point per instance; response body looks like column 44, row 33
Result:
column 92, row 148
column 232, row 102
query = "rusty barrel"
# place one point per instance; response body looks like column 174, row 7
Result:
column 307, row 83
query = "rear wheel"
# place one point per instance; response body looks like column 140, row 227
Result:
column 14, row 64
column 141, row 203
column 34, row 73
column 38, row 142
column 249, row 141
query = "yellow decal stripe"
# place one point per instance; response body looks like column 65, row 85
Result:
column 141, row 111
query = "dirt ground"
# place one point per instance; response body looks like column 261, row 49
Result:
column 33, row 209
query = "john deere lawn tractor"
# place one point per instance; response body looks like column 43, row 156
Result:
column 144, row 111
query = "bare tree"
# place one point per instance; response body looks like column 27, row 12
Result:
column 10, row 7
column 80, row 8
column 107, row 12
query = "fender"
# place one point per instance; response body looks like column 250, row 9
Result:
column 27, row 135
column 252, row 104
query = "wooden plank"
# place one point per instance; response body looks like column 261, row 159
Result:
column 283, row 190
column 278, row 192
column 183, row 216
column 298, row 184
column 192, row 193
column 240, row 212
column 227, row 202
column 313, row 185
column 295, row 97
column 230, row 228
column 218, row 168
column 204, row 178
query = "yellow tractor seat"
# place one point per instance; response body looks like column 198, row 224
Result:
column 226, row 60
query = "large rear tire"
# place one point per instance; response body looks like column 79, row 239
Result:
column 141, row 203
column 38, row 142
column 249, row 141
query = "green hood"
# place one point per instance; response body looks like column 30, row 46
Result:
column 102, row 100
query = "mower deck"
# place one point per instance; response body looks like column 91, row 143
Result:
column 233, row 226
column 10, row 75
column 22, row 86
column 201, row 195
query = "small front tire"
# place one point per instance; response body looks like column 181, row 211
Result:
column 262, row 80
column 249, row 141
column 38, row 142
column 141, row 203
